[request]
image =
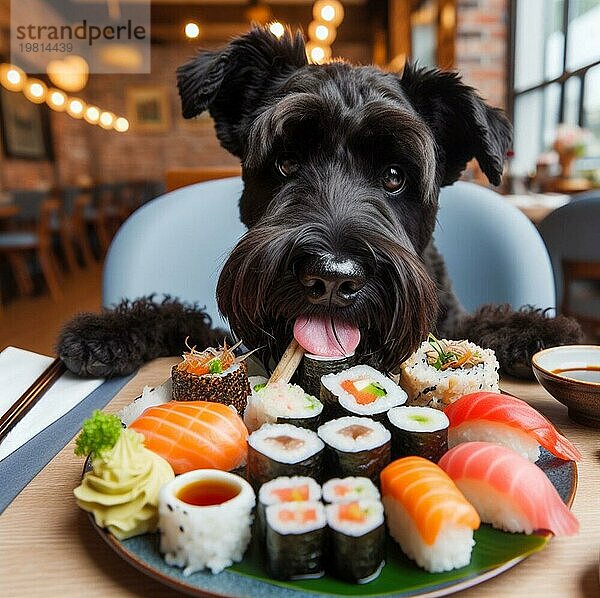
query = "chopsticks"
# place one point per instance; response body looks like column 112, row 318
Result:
column 289, row 363
column 21, row 407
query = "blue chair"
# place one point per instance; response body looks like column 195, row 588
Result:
column 493, row 252
column 177, row 244
column 572, row 236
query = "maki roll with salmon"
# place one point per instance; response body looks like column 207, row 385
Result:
column 295, row 538
column 361, row 390
column 215, row 375
column 349, row 489
column 419, row 431
column 355, row 446
column 282, row 403
column 357, row 538
column 314, row 367
column 277, row 450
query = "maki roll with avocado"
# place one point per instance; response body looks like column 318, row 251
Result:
column 358, row 539
column 277, row 450
column 361, row 390
column 281, row 403
column 355, row 446
column 295, row 538
column 215, row 375
column 314, row 367
column 348, row 489
column 418, row 431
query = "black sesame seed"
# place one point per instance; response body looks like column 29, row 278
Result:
column 181, row 528
column 169, row 507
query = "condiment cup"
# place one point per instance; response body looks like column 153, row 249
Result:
column 582, row 397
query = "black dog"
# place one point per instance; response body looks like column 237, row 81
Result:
column 342, row 167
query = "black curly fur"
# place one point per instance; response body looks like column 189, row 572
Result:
column 117, row 341
column 515, row 336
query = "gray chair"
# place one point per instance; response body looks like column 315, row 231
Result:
column 177, row 243
column 572, row 236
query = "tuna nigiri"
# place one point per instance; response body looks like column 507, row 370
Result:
column 505, row 420
column 194, row 435
column 427, row 514
column 507, row 490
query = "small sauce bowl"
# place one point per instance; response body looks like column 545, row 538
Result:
column 571, row 374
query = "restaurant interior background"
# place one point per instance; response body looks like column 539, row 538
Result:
column 79, row 153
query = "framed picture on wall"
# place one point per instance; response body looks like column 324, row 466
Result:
column 24, row 127
column 148, row 109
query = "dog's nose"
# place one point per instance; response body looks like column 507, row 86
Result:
column 331, row 280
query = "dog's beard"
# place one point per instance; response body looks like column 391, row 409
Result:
column 261, row 297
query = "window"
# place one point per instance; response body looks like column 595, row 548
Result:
column 555, row 73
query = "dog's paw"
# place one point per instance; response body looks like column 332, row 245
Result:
column 95, row 346
column 515, row 336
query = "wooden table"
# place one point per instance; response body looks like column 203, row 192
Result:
column 48, row 547
column 8, row 210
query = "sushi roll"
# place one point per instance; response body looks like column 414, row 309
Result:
column 506, row 420
column 361, row 390
column 205, row 519
column 281, row 403
column 441, row 371
column 313, row 368
column 215, row 375
column 285, row 489
column 277, row 450
column 428, row 515
column 351, row 488
column 295, row 538
column 355, row 446
column 507, row 490
column 357, row 539
column 419, row 431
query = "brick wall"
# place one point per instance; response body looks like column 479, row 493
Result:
column 481, row 46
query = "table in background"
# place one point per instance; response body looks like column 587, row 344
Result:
column 536, row 206
column 49, row 548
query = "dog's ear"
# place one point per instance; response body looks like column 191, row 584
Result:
column 230, row 82
column 464, row 126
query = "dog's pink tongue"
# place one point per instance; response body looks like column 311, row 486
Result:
column 317, row 336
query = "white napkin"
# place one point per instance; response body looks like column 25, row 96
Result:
column 18, row 370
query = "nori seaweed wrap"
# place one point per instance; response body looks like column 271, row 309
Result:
column 418, row 431
column 355, row 446
column 313, row 367
column 295, row 538
column 283, row 450
column 357, row 540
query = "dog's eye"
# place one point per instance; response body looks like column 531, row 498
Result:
column 393, row 179
column 287, row 165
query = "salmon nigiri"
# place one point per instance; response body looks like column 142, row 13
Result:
column 194, row 435
column 505, row 420
column 427, row 514
column 507, row 490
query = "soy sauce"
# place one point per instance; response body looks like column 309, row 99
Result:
column 590, row 373
column 206, row 493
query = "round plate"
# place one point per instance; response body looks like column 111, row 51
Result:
column 494, row 552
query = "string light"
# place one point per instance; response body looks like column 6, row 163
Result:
column 317, row 53
column 35, row 90
column 57, row 100
column 277, row 29
column 192, row 30
column 75, row 107
column 12, row 77
column 121, row 124
column 92, row 115
column 330, row 12
column 107, row 120
column 325, row 34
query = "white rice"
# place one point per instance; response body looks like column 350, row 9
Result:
column 356, row 488
column 426, row 385
column 263, row 441
column 212, row 537
column 418, row 419
column 487, row 431
column 451, row 549
column 295, row 526
column 277, row 400
column 394, row 394
column 331, row 434
column 267, row 497
column 356, row 529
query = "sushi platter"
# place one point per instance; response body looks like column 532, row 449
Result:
column 254, row 486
